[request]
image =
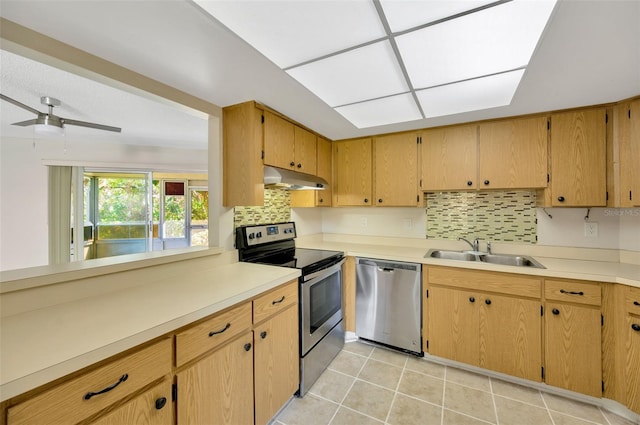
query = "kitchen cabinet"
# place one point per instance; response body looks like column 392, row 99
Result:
column 87, row 395
column 449, row 158
column 632, row 362
column 287, row 145
column 277, row 368
column 513, row 153
column 396, row 170
column 317, row 198
column 153, row 407
column 485, row 319
column 578, row 159
column 627, row 158
column 353, row 172
column 573, row 354
column 218, row 389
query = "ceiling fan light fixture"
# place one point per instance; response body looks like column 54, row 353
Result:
column 48, row 126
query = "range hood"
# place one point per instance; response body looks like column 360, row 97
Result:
column 291, row 180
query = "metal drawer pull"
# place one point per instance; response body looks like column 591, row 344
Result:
column 160, row 403
column 636, row 303
column 227, row 326
column 635, row 327
column 277, row 302
column 247, row 346
column 90, row 394
column 562, row 291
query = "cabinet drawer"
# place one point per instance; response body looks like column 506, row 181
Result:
column 274, row 301
column 632, row 299
column 67, row 403
column 573, row 291
column 211, row 333
column 503, row 283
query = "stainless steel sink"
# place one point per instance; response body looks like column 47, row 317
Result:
column 501, row 259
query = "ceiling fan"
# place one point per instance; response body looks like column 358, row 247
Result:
column 50, row 123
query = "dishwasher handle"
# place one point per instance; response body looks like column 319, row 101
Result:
column 387, row 266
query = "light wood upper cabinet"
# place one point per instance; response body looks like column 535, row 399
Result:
column 323, row 197
column 353, row 172
column 627, row 157
column 578, row 158
column 243, row 181
column 279, row 141
column 449, row 158
column 288, row 146
column 513, row 153
column 396, row 170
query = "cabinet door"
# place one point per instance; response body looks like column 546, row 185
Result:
column 453, row 324
column 219, row 388
column 352, row 162
column 578, row 158
column 305, row 151
column 449, row 158
column 573, row 357
column 513, row 154
column 511, row 336
column 630, row 158
column 279, row 141
column 153, row 407
column 277, row 367
column 632, row 362
column 323, row 197
column 396, row 170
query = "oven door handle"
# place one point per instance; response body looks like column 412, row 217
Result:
column 324, row 272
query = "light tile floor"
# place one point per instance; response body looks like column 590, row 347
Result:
column 371, row 385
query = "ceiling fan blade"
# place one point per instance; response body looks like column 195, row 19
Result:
column 19, row 104
column 26, row 123
column 91, row 125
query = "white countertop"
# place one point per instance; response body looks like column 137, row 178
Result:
column 601, row 271
column 41, row 345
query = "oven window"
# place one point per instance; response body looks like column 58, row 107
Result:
column 325, row 300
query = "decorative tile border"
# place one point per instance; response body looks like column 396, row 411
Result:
column 494, row 216
column 276, row 209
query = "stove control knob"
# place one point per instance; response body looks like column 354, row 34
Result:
column 259, row 235
column 252, row 235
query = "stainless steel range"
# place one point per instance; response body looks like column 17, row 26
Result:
column 321, row 327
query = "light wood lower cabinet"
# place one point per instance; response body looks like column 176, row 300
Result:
column 218, row 389
column 632, row 368
column 495, row 332
column 153, row 407
column 277, row 370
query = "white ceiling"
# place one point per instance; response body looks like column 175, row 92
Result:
column 589, row 54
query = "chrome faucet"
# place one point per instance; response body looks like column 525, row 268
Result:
column 474, row 246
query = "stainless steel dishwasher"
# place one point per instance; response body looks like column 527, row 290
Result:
column 388, row 303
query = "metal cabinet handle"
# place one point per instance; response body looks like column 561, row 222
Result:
column 366, row 200
column 486, row 182
column 472, row 299
column 562, row 291
column 292, row 163
column 90, row 394
column 247, row 346
column 487, row 301
column 263, row 334
column 277, row 301
column 227, row 326
column 635, row 327
column 555, row 311
column 560, row 198
column 160, row 403
column 469, row 183
column 636, row 303
column 379, row 200
column 299, row 165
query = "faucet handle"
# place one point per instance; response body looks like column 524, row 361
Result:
column 488, row 247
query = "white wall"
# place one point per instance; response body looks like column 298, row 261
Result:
column 23, row 186
column 617, row 228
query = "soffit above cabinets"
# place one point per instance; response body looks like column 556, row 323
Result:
column 380, row 62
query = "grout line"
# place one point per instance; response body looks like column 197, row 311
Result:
column 547, row 407
column 605, row 416
column 464, row 414
column 493, row 400
column 444, row 391
column 363, row 414
column 395, row 393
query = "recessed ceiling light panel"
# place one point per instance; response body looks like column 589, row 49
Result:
column 496, row 39
column 472, row 95
column 365, row 73
column 388, row 110
column 292, row 32
column 405, row 14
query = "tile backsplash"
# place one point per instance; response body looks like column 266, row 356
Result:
column 276, row 209
column 493, row 216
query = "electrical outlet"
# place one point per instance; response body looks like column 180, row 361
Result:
column 363, row 222
column 591, row 229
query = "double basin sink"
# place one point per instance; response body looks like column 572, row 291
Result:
column 485, row 257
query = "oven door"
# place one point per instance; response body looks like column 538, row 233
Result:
column 321, row 304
